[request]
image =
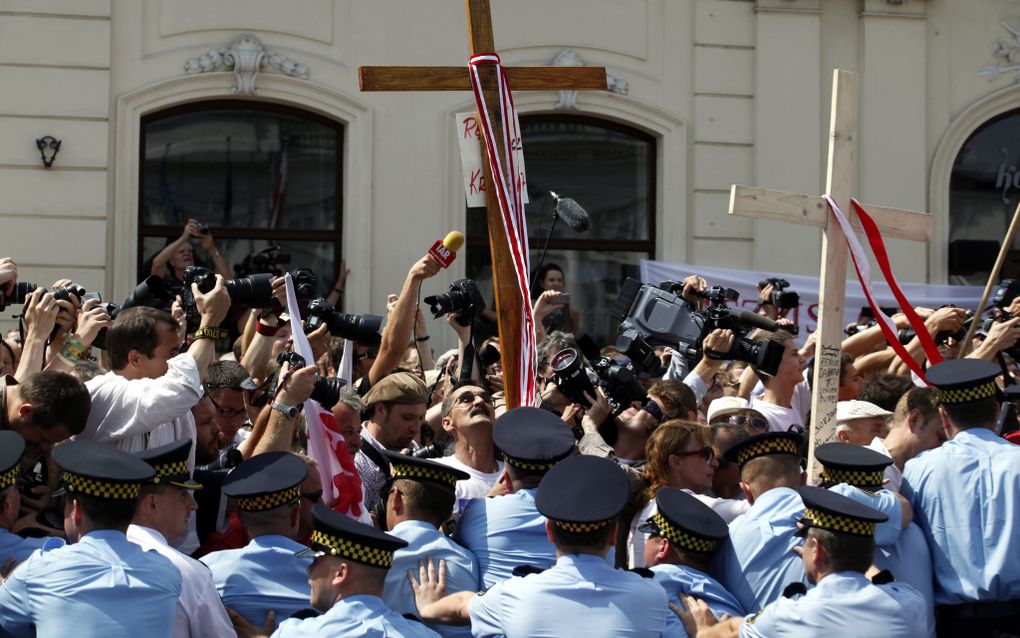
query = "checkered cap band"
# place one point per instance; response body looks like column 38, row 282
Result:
column 839, row 524
column 268, row 501
column 350, row 550
column 420, row 473
column 581, row 528
column 10, row 477
column 100, row 488
column 526, row 465
column 766, row 447
column 966, row 395
column 681, row 538
column 870, row 480
column 170, row 471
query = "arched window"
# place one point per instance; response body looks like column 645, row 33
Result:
column 983, row 192
column 609, row 169
column 257, row 174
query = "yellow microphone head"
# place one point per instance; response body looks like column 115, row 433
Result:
column 454, row 240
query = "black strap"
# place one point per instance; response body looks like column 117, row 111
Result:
column 794, row 589
column 376, row 457
column 883, row 577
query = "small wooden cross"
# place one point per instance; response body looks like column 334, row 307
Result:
column 814, row 211
column 445, row 78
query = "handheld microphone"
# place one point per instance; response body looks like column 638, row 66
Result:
column 445, row 250
column 572, row 213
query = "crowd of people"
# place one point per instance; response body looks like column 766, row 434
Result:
column 156, row 476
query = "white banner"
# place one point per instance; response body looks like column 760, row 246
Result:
column 745, row 282
column 469, row 137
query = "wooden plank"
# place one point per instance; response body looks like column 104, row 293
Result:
column 456, row 78
column 807, row 210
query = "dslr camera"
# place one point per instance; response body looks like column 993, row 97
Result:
column 463, row 297
column 779, row 298
column 326, row 390
column 363, row 329
column 574, row 377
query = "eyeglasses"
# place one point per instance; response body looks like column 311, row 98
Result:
column 748, row 422
column 467, row 398
column 651, row 407
column 313, row 497
column 706, row 453
column 227, row 413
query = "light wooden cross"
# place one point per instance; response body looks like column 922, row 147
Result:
column 456, row 78
column 812, row 210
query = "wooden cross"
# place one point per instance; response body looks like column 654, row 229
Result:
column 814, row 211
column 445, row 78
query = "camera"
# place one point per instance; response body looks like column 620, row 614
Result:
column 779, row 298
column 203, row 228
column 255, row 291
column 64, row 293
column 657, row 316
column 1005, row 293
column 19, row 295
column 326, row 390
column 267, row 260
column 574, row 377
column 463, row 297
column 363, row 329
column 304, row 282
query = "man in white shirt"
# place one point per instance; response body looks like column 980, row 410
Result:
column 916, row 427
column 146, row 400
column 787, row 397
column 164, row 507
column 468, row 414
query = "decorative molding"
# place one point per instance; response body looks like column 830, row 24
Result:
column 1009, row 51
column 247, row 57
column 568, row 99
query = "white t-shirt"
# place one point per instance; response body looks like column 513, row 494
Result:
column 727, row 508
column 893, row 474
column 781, row 419
column 475, row 487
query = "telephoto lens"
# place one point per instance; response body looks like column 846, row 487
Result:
column 21, row 291
column 363, row 329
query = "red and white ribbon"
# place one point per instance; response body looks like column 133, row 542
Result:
column 511, row 208
column 863, row 268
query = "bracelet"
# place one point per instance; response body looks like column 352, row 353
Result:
column 211, row 332
column 420, row 339
column 73, row 349
column 266, row 330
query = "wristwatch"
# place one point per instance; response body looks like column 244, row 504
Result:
column 290, row 411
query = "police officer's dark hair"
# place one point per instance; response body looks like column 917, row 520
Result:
column 774, row 469
column 885, row 390
column 974, row 414
column 571, row 542
column 691, row 557
column 57, row 399
column 106, row 513
column 527, row 479
column 845, row 552
column 135, row 329
column 426, row 500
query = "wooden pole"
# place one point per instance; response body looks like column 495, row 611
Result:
column 993, row 277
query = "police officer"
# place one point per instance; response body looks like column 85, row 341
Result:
column 839, row 542
column 350, row 561
column 420, row 497
column 684, row 534
column 581, row 595
column 505, row 532
column 757, row 562
column 965, row 496
column 102, row 584
column 859, row 473
column 12, row 546
column 266, row 574
column 161, row 519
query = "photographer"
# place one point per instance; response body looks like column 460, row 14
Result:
column 552, row 306
column 146, row 400
column 171, row 262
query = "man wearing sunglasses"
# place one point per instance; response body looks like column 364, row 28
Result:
column 666, row 400
column 731, row 421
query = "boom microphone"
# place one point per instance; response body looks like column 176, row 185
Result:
column 572, row 213
column 445, row 250
column 758, row 321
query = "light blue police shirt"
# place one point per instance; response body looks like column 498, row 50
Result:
column 966, row 500
column 580, row 595
column 681, row 579
column 425, row 541
column 360, row 616
column 262, row 576
column 842, row 605
column 757, row 562
column 103, row 586
column 18, row 548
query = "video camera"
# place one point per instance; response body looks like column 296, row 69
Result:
column 779, row 298
column 267, row 260
column 651, row 316
column 463, row 297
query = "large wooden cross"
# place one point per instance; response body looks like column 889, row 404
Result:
column 456, row 78
column 814, row 211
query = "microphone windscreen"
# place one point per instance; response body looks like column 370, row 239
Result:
column 758, row 321
column 454, row 240
column 572, row 213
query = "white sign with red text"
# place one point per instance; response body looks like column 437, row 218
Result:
column 469, row 139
